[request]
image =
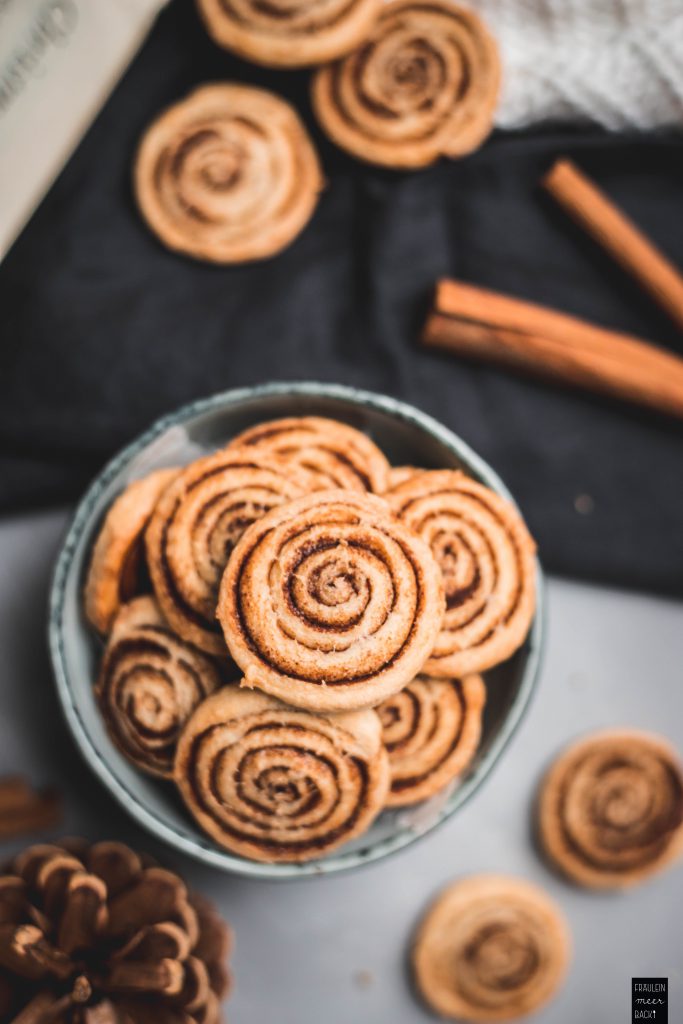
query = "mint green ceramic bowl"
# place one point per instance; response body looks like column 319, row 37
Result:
column 408, row 437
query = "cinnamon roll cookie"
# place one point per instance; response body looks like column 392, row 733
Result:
column 611, row 809
column 149, row 684
column 275, row 784
column 330, row 603
column 289, row 33
column 335, row 454
column 229, row 174
column 113, row 574
column 423, row 84
column 431, row 730
column 197, row 524
column 487, row 560
column 491, row 948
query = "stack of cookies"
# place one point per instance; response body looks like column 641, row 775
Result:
column 230, row 173
column 296, row 631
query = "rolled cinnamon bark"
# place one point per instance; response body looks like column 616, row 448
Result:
column 423, row 84
column 196, row 526
column 491, row 948
column 289, row 33
column 229, row 174
column 431, row 730
column 487, row 560
column 330, row 603
column 279, row 785
column 149, row 684
column 333, row 453
column 611, row 809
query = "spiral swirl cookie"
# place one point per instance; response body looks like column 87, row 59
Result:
column 149, row 684
column 490, row 948
column 289, row 33
column 114, row 567
column 423, row 84
column 197, row 524
column 431, row 730
column 487, row 560
column 335, row 454
column 611, row 809
column 229, row 174
column 330, row 603
column 274, row 784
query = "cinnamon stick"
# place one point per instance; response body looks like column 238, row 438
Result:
column 24, row 810
column 616, row 233
column 485, row 325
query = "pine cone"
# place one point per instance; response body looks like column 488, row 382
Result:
column 99, row 935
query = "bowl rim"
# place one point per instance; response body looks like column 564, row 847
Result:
column 205, row 850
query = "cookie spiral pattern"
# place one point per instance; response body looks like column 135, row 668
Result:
column 335, row 454
column 611, row 809
column 114, row 571
column 490, row 948
column 229, row 174
column 274, row 784
column 424, row 84
column 330, row 603
column 487, row 559
column 149, row 684
column 289, row 33
column 431, row 730
column 197, row 524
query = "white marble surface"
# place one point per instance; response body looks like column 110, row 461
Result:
column 334, row 950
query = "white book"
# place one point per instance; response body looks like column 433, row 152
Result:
column 59, row 60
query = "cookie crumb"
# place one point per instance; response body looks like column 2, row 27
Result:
column 364, row 979
column 584, row 504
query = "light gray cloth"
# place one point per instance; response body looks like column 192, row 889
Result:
column 615, row 63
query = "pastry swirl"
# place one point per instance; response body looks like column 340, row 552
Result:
column 197, row 524
column 149, row 684
column 611, row 809
column 279, row 785
column 487, row 560
column 431, row 730
column 289, row 33
column 330, row 603
column 229, row 174
column 335, row 454
column 423, row 84
column 490, row 948
column 114, row 566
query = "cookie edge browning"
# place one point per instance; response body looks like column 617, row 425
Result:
column 483, row 884
column 318, row 698
column 174, row 240
column 363, row 725
column 304, row 50
column 548, row 825
column 416, row 154
column 115, row 542
column 452, row 767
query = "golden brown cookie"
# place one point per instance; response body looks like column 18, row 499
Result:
column 114, row 567
column 278, row 785
column 196, row 526
column 400, row 474
column 611, row 809
column 431, row 730
column 330, row 603
column 335, row 454
column 491, row 948
column 487, row 560
column 229, row 174
column 289, row 33
column 149, row 684
column 424, row 84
